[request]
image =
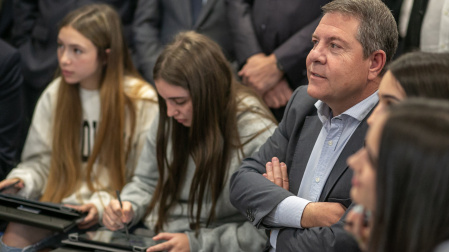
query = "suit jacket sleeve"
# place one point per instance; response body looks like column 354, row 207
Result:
column 146, row 29
column 11, row 106
column 333, row 238
column 251, row 193
column 242, row 30
column 293, row 52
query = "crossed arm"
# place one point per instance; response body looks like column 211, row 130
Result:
column 315, row 214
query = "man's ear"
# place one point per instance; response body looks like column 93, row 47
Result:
column 107, row 51
column 378, row 59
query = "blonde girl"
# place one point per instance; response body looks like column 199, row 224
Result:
column 88, row 126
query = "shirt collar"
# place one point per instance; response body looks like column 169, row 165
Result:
column 358, row 111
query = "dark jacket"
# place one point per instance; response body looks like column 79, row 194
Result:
column 11, row 106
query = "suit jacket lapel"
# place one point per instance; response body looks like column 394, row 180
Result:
column 353, row 145
column 309, row 133
column 205, row 11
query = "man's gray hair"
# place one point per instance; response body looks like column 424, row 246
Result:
column 377, row 30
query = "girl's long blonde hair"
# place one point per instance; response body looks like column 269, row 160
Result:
column 102, row 26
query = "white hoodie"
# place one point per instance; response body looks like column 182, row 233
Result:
column 35, row 165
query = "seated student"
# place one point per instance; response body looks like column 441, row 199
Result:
column 88, row 128
column 401, row 177
column 207, row 124
column 416, row 74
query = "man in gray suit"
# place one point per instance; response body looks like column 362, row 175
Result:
column 156, row 22
column 298, row 183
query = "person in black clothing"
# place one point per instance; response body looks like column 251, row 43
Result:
column 11, row 106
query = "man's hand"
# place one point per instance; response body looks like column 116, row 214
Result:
column 261, row 73
column 322, row 214
column 277, row 173
column 358, row 226
column 279, row 95
column 114, row 216
column 175, row 242
column 91, row 217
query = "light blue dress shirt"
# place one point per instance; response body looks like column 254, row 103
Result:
column 334, row 135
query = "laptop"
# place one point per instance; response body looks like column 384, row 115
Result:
column 106, row 240
column 41, row 214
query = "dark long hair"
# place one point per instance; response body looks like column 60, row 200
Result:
column 422, row 74
column 197, row 64
column 412, row 209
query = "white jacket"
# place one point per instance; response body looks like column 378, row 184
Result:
column 35, row 165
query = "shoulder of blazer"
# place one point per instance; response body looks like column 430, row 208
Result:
column 300, row 106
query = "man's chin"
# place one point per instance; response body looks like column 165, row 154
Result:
column 315, row 90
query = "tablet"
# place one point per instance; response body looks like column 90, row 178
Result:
column 42, row 214
column 104, row 239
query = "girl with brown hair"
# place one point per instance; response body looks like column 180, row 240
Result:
column 207, row 124
column 88, row 126
column 401, row 176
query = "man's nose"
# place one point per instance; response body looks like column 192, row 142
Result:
column 317, row 54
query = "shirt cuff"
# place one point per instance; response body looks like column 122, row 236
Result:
column 288, row 213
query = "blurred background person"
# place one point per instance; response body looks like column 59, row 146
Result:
column 158, row 21
column 6, row 19
column 415, row 74
column 422, row 25
column 11, row 107
column 401, row 175
column 272, row 40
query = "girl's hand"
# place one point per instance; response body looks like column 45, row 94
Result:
column 11, row 186
column 356, row 223
column 91, row 217
column 114, row 216
column 176, row 242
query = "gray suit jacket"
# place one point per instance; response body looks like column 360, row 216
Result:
column 156, row 22
column 292, row 143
